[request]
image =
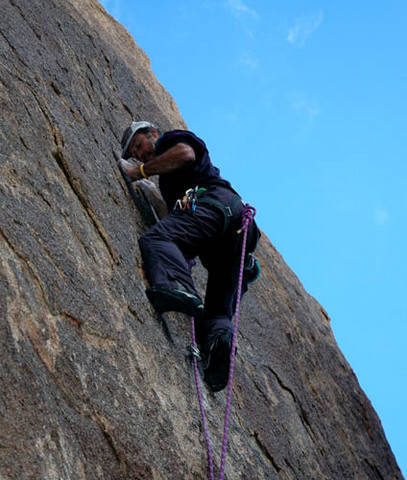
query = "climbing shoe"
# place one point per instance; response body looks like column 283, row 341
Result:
column 166, row 300
column 217, row 352
column 251, row 268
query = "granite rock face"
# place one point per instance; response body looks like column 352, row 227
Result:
column 91, row 385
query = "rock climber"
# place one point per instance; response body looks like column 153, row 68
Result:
column 203, row 220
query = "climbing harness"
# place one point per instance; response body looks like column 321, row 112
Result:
column 195, row 196
column 247, row 218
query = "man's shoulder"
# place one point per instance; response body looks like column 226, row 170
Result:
column 172, row 137
column 179, row 132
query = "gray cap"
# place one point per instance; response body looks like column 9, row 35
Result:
column 129, row 134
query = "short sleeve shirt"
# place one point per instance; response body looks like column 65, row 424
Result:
column 201, row 172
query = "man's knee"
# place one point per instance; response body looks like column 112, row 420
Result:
column 143, row 242
column 149, row 242
column 154, row 234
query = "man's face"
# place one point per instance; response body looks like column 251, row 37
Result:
column 142, row 146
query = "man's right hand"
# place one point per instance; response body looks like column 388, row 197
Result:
column 130, row 169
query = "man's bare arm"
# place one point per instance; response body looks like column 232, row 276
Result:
column 176, row 157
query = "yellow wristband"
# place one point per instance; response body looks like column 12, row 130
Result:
column 142, row 171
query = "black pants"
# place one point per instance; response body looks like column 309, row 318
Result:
column 170, row 246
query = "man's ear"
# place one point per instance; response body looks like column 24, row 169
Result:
column 154, row 132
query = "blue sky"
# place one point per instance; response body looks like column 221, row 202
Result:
column 303, row 106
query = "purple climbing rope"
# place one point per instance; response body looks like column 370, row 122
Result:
column 200, row 400
column 247, row 217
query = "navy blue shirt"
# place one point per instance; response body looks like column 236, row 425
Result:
column 201, row 172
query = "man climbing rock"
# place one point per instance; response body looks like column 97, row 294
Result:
column 205, row 215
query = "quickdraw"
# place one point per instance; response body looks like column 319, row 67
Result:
column 190, row 199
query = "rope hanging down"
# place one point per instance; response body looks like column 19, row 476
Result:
column 247, row 218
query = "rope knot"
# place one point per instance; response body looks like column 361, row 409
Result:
column 248, row 214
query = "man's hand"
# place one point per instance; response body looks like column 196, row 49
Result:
column 131, row 170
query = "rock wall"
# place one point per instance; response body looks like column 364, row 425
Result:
column 92, row 387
